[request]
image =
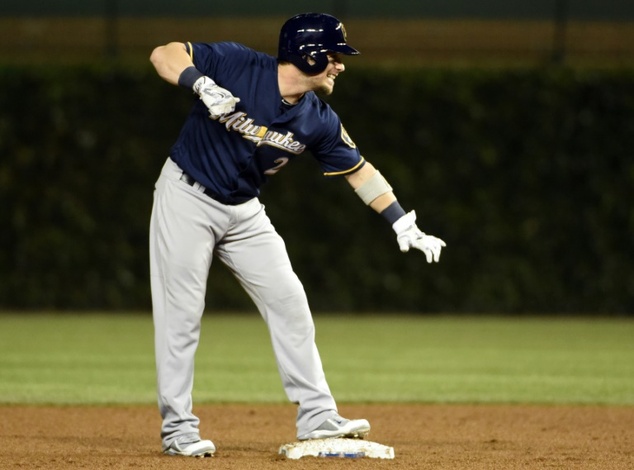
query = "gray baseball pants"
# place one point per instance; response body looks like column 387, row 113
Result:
column 187, row 230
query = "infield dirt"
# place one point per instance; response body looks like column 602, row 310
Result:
column 249, row 436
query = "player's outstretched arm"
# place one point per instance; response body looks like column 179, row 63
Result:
column 376, row 192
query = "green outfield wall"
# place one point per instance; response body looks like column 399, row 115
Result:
column 528, row 175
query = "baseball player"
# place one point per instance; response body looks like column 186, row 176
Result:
column 255, row 113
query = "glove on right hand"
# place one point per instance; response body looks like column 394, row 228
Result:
column 218, row 100
column 408, row 235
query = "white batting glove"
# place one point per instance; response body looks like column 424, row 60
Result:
column 218, row 100
column 408, row 235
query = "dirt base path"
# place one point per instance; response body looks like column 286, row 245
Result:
column 249, row 436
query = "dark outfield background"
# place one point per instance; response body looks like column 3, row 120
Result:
column 514, row 145
column 578, row 9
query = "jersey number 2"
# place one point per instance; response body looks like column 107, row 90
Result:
column 279, row 163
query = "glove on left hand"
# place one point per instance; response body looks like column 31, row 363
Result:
column 218, row 100
column 408, row 235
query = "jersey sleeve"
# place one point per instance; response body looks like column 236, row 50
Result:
column 336, row 152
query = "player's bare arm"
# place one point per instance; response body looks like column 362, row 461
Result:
column 170, row 60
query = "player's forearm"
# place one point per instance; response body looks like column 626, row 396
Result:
column 374, row 190
column 170, row 60
column 383, row 202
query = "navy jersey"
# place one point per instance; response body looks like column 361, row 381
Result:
column 233, row 155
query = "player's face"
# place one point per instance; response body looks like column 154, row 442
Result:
column 325, row 82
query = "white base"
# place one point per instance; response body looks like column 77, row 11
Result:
column 336, row 447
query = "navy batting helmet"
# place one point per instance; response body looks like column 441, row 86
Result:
column 306, row 39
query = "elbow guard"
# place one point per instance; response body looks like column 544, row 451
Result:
column 374, row 187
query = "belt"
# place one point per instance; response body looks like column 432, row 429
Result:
column 223, row 200
column 191, row 181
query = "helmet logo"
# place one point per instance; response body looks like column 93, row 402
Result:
column 343, row 31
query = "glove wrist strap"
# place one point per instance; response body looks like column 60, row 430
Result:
column 404, row 222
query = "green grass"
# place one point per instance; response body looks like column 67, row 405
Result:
column 108, row 358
